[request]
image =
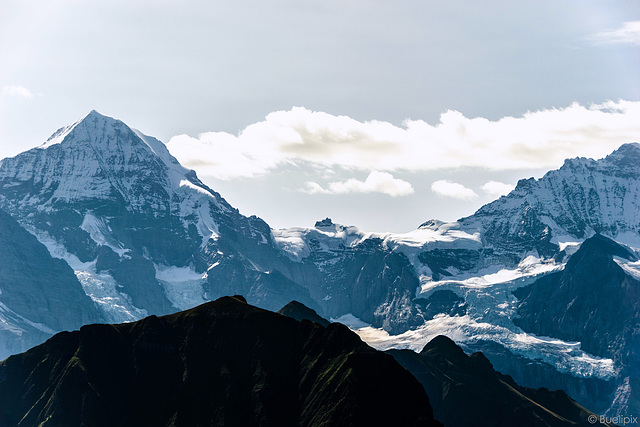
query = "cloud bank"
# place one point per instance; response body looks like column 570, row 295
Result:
column 376, row 182
column 497, row 189
column 454, row 190
column 539, row 139
column 629, row 33
column 16, row 92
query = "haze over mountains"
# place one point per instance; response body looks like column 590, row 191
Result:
column 144, row 235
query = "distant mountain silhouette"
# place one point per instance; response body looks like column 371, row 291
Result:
column 222, row 363
column 299, row 311
column 466, row 391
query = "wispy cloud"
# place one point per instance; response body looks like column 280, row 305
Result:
column 454, row 190
column 376, row 182
column 539, row 139
column 629, row 33
column 496, row 189
column 17, row 92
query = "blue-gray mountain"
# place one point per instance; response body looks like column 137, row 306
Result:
column 593, row 301
column 145, row 236
column 39, row 294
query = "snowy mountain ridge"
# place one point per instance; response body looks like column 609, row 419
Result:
column 103, row 183
column 144, row 235
column 539, row 217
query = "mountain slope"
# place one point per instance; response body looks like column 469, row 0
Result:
column 39, row 295
column 299, row 311
column 595, row 301
column 465, row 390
column 583, row 197
column 468, row 271
column 145, row 235
column 222, row 363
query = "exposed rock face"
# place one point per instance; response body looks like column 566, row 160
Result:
column 594, row 301
column 99, row 184
column 466, row 390
column 582, row 197
column 591, row 392
column 39, row 295
column 145, row 235
column 222, row 363
column 442, row 302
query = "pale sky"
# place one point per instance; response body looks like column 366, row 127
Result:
column 379, row 114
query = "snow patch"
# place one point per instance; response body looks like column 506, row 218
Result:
column 99, row 229
column 7, row 325
column 566, row 357
column 351, row 321
column 60, row 135
column 100, row 287
column 182, row 285
column 632, row 268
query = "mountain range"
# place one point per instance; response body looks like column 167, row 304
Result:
column 228, row 363
column 100, row 224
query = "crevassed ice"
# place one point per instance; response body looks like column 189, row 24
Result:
column 182, row 285
column 100, row 287
column 566, row 357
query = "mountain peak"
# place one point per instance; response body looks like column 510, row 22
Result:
column 627, row 155
column 324, row 223
column 89, row 123
column 299, row 311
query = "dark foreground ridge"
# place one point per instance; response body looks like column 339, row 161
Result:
column 299, row 311
column 221, row 363
column 465, row 390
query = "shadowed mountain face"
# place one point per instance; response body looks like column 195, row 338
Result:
column 593, row 301
column 39, row 295
column 146, row 236
column 300, row 311
column 467, row 391
column 222, row 363
column 578, row 302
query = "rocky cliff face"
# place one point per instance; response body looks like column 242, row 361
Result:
column 583, row 197
column 39, row 295
column 144, row 235
column 594, row 300
column 222, row 363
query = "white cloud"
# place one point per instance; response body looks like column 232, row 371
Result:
column 629, row 33
column 496, row 189
column 453, row 189
column 540, row 139
column 311, row 187
column 376, row 182
column 17, row 92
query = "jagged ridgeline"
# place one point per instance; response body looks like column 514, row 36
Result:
column 104, row 225
column 229, row 363
column 145, row 235
column 224, row 363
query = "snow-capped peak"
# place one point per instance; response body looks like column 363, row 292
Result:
column 626, row 159
column 106, row 166
column 60, row 135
